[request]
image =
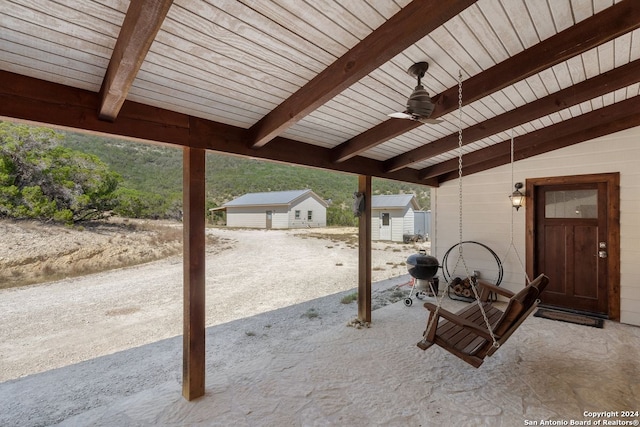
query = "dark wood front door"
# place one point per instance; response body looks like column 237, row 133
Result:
column 572, row 242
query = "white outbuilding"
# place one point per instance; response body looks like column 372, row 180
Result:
column 278, row 210
column 393, row 216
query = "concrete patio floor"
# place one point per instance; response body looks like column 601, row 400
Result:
column 342, row 376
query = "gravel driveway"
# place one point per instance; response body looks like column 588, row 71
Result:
column 47, row 326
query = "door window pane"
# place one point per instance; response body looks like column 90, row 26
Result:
column 385, row 219
column 571, row 204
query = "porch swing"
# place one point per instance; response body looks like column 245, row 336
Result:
column 478, row 330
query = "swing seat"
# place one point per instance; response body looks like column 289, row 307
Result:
column 465, row 334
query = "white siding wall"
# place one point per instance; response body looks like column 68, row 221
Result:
column 308, row 204
column 397, row 225
column 256, row 217
column 487, row 209
column 409, row 221
column 375, row 224
column 395, row 222
column 280, row 217
column 246, row 217
column 401, row 223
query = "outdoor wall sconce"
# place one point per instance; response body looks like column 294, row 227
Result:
column 358, row 204
column 517, row 197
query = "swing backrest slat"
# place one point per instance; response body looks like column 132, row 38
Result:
column 518, row 309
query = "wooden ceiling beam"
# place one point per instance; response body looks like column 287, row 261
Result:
column 592, row 32
column 40, row 101
column 603, row 121
column 28, row 99
column 141, row 24
column 373, row 137
column 588, row 89
column 229, row 139
column 405, row 28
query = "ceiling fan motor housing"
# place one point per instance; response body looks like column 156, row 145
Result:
column 419, row 103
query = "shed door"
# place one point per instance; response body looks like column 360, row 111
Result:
column 385, row 226
column 572, row 245
column 269, row 219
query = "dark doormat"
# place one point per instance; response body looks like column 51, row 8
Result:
column 563, row 316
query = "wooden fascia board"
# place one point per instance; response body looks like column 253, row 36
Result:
column 588, row 89
column 604, row 121
column 141, row 24
column 30, row 99
column 33, row 100
column 600, row 28
column 405, row 28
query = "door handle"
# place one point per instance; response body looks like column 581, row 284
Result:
column 602, row 254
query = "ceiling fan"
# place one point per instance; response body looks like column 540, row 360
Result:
column 419, row 104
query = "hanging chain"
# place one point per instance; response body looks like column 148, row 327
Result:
column 437, row 310
column 461, row 257
column 460, row 159
column 460, row 204
column 511, row 244
column 512, row 184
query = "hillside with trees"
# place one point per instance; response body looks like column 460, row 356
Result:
column 41, row 179
column 148, row 177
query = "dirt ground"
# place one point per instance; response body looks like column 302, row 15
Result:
column 33, row 252
column 110, row 287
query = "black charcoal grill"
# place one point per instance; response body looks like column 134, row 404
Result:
column 423, row 268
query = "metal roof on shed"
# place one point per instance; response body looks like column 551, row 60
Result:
column 393, row 201
column 268, row 198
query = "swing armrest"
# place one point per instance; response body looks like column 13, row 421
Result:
column 454, row 318
column 487, row 288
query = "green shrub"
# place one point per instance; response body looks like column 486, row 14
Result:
column 348, row 299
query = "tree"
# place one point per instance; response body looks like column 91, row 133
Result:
column 341, row 216
column 41, row 179
column 136, row 204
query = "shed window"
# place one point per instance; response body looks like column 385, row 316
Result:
column 309, row 215
column 385, row 218
column 297, row 214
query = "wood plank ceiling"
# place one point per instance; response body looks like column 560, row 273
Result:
column 313, row 82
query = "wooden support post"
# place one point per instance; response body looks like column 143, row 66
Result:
column 364, row 252
column 193, row 360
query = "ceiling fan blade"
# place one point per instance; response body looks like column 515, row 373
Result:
column 430, row 121
column 425, row 120
column 401, row 116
